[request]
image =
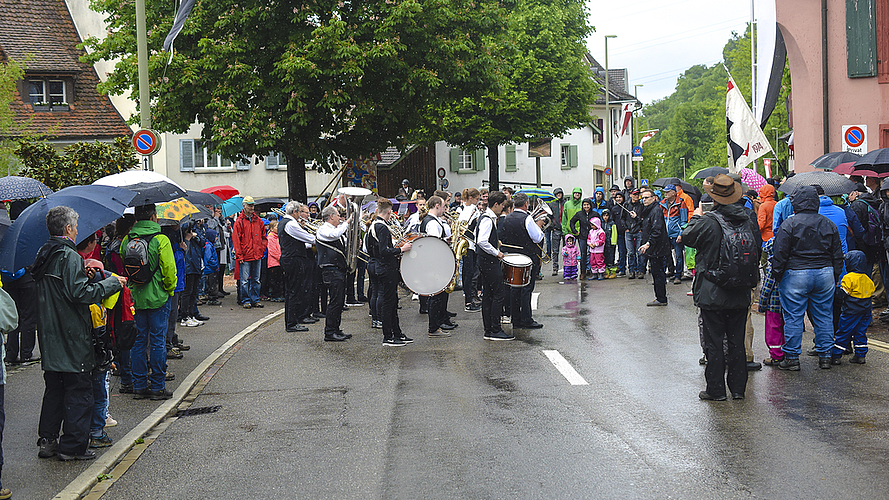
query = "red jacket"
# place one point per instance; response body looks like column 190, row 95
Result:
column 249, row 238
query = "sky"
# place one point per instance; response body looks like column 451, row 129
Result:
column 657, row 40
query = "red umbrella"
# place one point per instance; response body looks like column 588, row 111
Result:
column 844, row 168
column 224, row 192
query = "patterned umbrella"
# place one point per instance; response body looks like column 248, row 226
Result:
column 833, row 184
column 176, row 209
column 542, row 194
column 752, row 179
column 13, row 187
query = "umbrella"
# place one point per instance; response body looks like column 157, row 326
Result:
column 96, row 206
column 844, row 168
column 833, row 184
column 4, row 222
column 830, row 161
column 200, row 198
column 709, row 172
column 264, row 204
column 752, row 179
column 176, row 209
column 232, row 206
column 13, row 187
column 541, row 194
column 873, row 164
column 676, row 181
column 200, row 213
column 223, row 192
column 150, row 187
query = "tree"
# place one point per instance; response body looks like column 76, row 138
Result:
column 311, row 80
column 83, row 163
column 11, row 73
column 543, row 89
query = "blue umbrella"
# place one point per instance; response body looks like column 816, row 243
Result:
column 96, row 206
column 542, row 194
column 232, row 206
column 13, row 187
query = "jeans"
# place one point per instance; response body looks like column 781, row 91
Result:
column 679, row 257
column 622, row 254
column 812, row 290
column 584, row 256
column 250, row 280
column 150, row 348
column 554, row 247
column 634, row 262
column 100, row 403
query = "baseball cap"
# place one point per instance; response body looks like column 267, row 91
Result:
column 669, row 187
column 248, row 200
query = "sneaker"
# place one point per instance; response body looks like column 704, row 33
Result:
column 789, row 364
column 102, row 442
column 500, row 335
column 87, row 455
column 48, row 448
column 621, row 275
column 247, row 305
column 353, row 304
column 677, row 281
column 183, row 322
column 258, row 305
column 170, row 376
column 472, row 308
column 376, row 324
column 505, row 320
column 109, row 421
column 159, row 395
column 858, row 360
column 181, row 346
column 214, row 302
column 440, row 333
column 406, row 339
column 394, row 342
column 656, row 303
column 191, row 322
column 771, row 362
column 174, row 353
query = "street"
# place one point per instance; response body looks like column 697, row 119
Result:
column 462, row 417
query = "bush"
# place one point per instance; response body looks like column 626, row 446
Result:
column 81, row 164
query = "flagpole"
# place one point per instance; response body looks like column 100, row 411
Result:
column 608, row 114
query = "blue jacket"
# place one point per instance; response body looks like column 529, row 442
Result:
column 676, row 215
column 194, row 257
column 211, row 261
column 856, row 288
column 783, row 210
column 179, row 257
column 602, row 205
column 836, row 215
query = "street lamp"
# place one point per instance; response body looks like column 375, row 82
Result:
column 683, row 167
column 635, row 131
column 608, row 115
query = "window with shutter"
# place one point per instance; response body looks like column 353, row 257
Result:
column 243, row 165
column 572, row 156
column 186, row 155
column 478, row 160
column 861, row 38
column 455, row 159
column 511, row 158
column 271, row 162
column 565, row 150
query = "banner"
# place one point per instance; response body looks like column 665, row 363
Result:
column 178, row 22
column 744, row 138
column 626, row 113
column 647, row 136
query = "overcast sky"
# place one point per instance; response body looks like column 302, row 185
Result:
column 657, row 40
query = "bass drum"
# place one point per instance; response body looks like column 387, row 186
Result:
column 428, row 268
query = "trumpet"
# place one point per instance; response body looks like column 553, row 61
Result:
column 311, row 225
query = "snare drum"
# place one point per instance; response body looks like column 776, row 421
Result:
column 516, row 269
column 429, row 266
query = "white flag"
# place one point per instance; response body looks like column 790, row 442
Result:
column 746, row 141
column 648, row 136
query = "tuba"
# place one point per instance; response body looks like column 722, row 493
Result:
column 353, row 196
column 542, row 211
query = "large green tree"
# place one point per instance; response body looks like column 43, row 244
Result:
column 315, row 80
column 543, row 89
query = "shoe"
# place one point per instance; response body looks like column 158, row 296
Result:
column 170, row 376
column 632, row 276
column 690, row 294
column 753, row 366
column 601, row 276
column 406, row 339
column 201, row 317
column 439, row 333
column 319, row 315
column 394, row 342
column 48, row 448
column 159, row 395
column 336, row 337
column 264, row 297
column 737, row 395
column 836, row 360
column 415, row 297
column 174, row 353
column 499, row 335
column 450, row 314
column 505, row 320
column 181, row 346
column 376, row 324
column 424, row 311
column 183, row 321
column 707, row 397
column 308, row 320
column 102, row 442
column 214, row 302
column 87, row 455
column 824, row 363
column 297, row 328
column 125, row 389
column 363, row 299
column 472, row 308
column 703, row 360
column 109, row 421
column 193, row 323
column 141, row 393
column 447, row 326
column 352, row 303
column 858, row 360
column 812, row 352
column 555, row 272
column 771, row 362
column 789, row 364
column 677, row 281
column 655, row 303
column 621, row 275
column 533, row 325
column 591, row 277
column 224, row 293
column 344, row 334
column 247, row 305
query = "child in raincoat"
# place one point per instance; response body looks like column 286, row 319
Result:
column 596, row 244
column 610, row 237
column 570, row 257
column 855, row 294
column 770, row 304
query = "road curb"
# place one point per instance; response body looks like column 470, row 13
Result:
column 88, row 478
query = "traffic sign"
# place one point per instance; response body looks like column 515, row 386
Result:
column 644, row 183
column 637, row 158
column 444, row 183
column 637, row 150
column 441, row 173
column 855, row 139
column 607, row 170
column 146, row 142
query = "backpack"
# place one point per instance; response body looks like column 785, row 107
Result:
column 873, row 235
column 738, row 263
column 135, row 261
column 121, row 323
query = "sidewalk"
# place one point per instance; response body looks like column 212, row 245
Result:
column 33, row 478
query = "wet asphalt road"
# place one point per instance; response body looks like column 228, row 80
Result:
column 462, row 417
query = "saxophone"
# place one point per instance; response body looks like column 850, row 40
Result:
column 459, row 244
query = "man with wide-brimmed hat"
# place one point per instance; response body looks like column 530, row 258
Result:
column 723, row 297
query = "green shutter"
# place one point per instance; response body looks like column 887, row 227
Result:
column 861, row 38
column 510, row 158
column 455, row 160
column 572, row 156
column 478, row 160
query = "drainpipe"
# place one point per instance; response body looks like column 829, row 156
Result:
column 824, row 78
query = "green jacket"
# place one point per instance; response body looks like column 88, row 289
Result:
column 572, row 206
column 9, row 321
column 64, row 295
column 158, row 291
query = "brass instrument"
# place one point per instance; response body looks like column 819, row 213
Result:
column 459, row 243
column 542, row 211
column 310, row 225
column 353, row 239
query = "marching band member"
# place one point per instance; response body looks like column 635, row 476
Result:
column 469, row 215
column 298, row 266
column 383, row 266
column 491, row 275
column 519, row 231
column 330, row 241
column 439, row 320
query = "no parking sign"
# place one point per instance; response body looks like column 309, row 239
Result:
column 146, row 142
column 855, row 139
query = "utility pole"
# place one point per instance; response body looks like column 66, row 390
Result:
column 635, row 131
column 142, row 56
column 608, row 116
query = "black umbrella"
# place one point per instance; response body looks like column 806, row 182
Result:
column 95, row 205
column 264, row 204
column 4, row 222
column 691, row 189
column 873, row 164
column 709, row 172
column 198, row 198
column 832, row 183
column 13, row 187
column 150, row 187
column 830, row 161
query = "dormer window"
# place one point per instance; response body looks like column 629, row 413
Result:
column 49, row 91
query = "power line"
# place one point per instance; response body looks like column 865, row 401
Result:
column 647, row 43
column 670, row 73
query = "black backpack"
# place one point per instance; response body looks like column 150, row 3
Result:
column 135, row 259
column 738, row 264
column 873, row 234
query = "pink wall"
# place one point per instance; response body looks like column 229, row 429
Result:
column 852, row 101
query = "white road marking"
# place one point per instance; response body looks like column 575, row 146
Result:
column 534, row 297
column 565, row 368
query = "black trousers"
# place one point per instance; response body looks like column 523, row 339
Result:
column 660, row 279
column 335, row 279
column 493, row 292
column 727, row 325
column 437, row 306
column 520, row 299
column 188, row 300
column 24, row 292
column 276, row 282
column 374, row 292
column 264, row 277
column 212, row 290
column 319, row 290
column 470, row 270
column 387, row 280
column 291, row 270
column 67, row 404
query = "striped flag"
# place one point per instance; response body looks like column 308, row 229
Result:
column 178, row 22
column 647, row 136
column 626, row 113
